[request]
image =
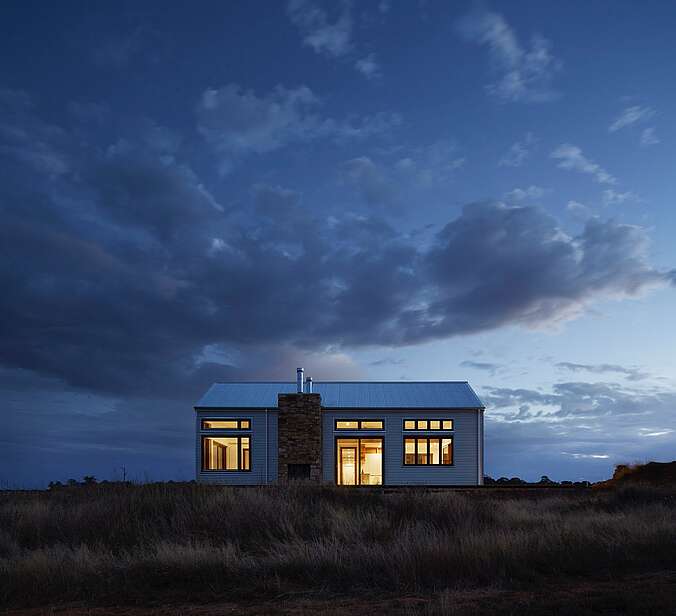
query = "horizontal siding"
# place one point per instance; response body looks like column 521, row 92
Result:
column 466, row 454
column 257, row 474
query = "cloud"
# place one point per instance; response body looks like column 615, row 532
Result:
column 368, row 66
column 135, row 272
column 374, row 186
column 592, row 456
column 431, row 164
column 613, row 197
column 388, row 361
column 649, row 137
column 525, row 73
column 571, row 158
column 482, row 365
column 630, row 116
column 521, row 194
column 331, row 38
column 651, row 433
column 26, row 139
column 632, row 374
column 237, row 122
column 518, row 152
column 579, row 210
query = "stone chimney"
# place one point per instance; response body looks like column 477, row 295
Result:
column 299, row 437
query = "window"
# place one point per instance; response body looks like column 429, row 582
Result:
column 226, row 453
column 428, row 424
column 426, row 451
column 226, row 424
column 359, row 424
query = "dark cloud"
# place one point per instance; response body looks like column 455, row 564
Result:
column 496, row 264
column 121, row 274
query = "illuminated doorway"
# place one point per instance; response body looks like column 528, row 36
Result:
column 359, row 461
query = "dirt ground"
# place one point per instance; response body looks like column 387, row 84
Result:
column 653, row 594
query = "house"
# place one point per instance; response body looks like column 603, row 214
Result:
column 346, row 433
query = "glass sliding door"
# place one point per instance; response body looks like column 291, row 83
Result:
column 347, row 462
column 359, row 461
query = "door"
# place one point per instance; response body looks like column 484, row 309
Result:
column 359, row 461
column 347, row 466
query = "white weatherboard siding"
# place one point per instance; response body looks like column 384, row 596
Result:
column 257, row 474
column 466, row 469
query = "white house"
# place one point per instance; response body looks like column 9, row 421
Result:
column 352, row 433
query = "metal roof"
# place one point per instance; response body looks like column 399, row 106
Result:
column 348, row 394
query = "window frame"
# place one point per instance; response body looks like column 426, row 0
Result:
column 428, row 438
column 428, row 422
column 239, row 420
column 359, row 422
column 359, row 439
column 239, row 468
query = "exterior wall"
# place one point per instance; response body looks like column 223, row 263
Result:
column 258, row 475
column 467, row 445
column 300, row 433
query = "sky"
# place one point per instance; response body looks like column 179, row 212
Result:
column 371, row 190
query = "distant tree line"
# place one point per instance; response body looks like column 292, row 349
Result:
column 544, row 481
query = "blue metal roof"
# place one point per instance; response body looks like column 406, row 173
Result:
column 348, row 394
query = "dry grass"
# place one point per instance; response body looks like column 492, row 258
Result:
column 167, row 543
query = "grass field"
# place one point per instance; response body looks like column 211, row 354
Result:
column 186, row 548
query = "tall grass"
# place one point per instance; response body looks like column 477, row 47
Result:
column 162, row 542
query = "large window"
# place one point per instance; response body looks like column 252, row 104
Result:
column 226, row 453
column 359, row 424
column 226, row 424
column 425, row 451
column 359, row 461
column 428, row 424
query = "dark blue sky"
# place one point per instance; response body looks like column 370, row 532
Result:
column 376, row 190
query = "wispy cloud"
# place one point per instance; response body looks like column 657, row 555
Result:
column 518, row 152
column 578, row 209
column 368, row 66
column 239, row 122
column 370, row 180
column 586, row 456
column 388, row 361
column 653, row 432
column 432, row 163
column 649, row 137
column 632, row 374
column 571, row 158
column 613, row 197
column 525, row 72
column 631, row 115
column 331, row 38
column 521, row 194
column 489, row 367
